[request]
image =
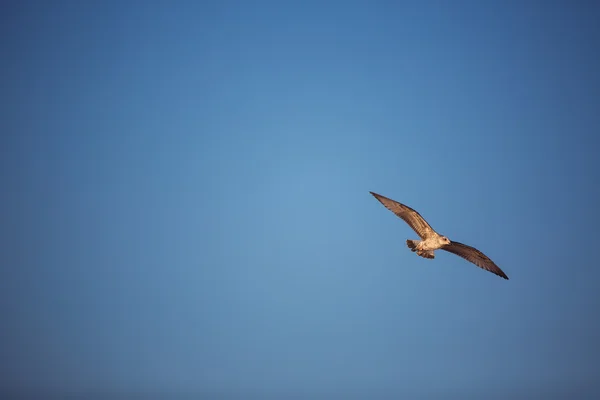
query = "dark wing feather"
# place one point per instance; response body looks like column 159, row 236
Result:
column 410, row 216
column 475, row 256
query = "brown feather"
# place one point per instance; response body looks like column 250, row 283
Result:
column 475, row 256
column 410, row 216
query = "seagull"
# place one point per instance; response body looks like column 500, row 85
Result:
column 432, row 241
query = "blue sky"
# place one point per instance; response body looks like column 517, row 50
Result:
column 186, row 204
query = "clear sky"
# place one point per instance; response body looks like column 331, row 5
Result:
column 185, row 199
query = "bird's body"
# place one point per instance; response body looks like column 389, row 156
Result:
column 432, row 241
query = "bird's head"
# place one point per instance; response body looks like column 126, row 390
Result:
column 445, row 240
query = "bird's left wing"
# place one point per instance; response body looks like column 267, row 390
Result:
column 410, row 216
column 473, row 255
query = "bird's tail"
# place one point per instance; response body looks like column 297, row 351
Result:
column 412, row 244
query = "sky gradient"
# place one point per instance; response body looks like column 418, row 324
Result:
column 185, row 198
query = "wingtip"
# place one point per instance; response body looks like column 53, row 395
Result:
column 503, row 275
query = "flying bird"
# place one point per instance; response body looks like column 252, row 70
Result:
column 432, row 241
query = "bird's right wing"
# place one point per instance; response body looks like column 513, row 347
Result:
column 410, row 216
column 473, row 255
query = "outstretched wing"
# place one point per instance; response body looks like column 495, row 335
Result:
column 473, row 255
column 410, row 216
